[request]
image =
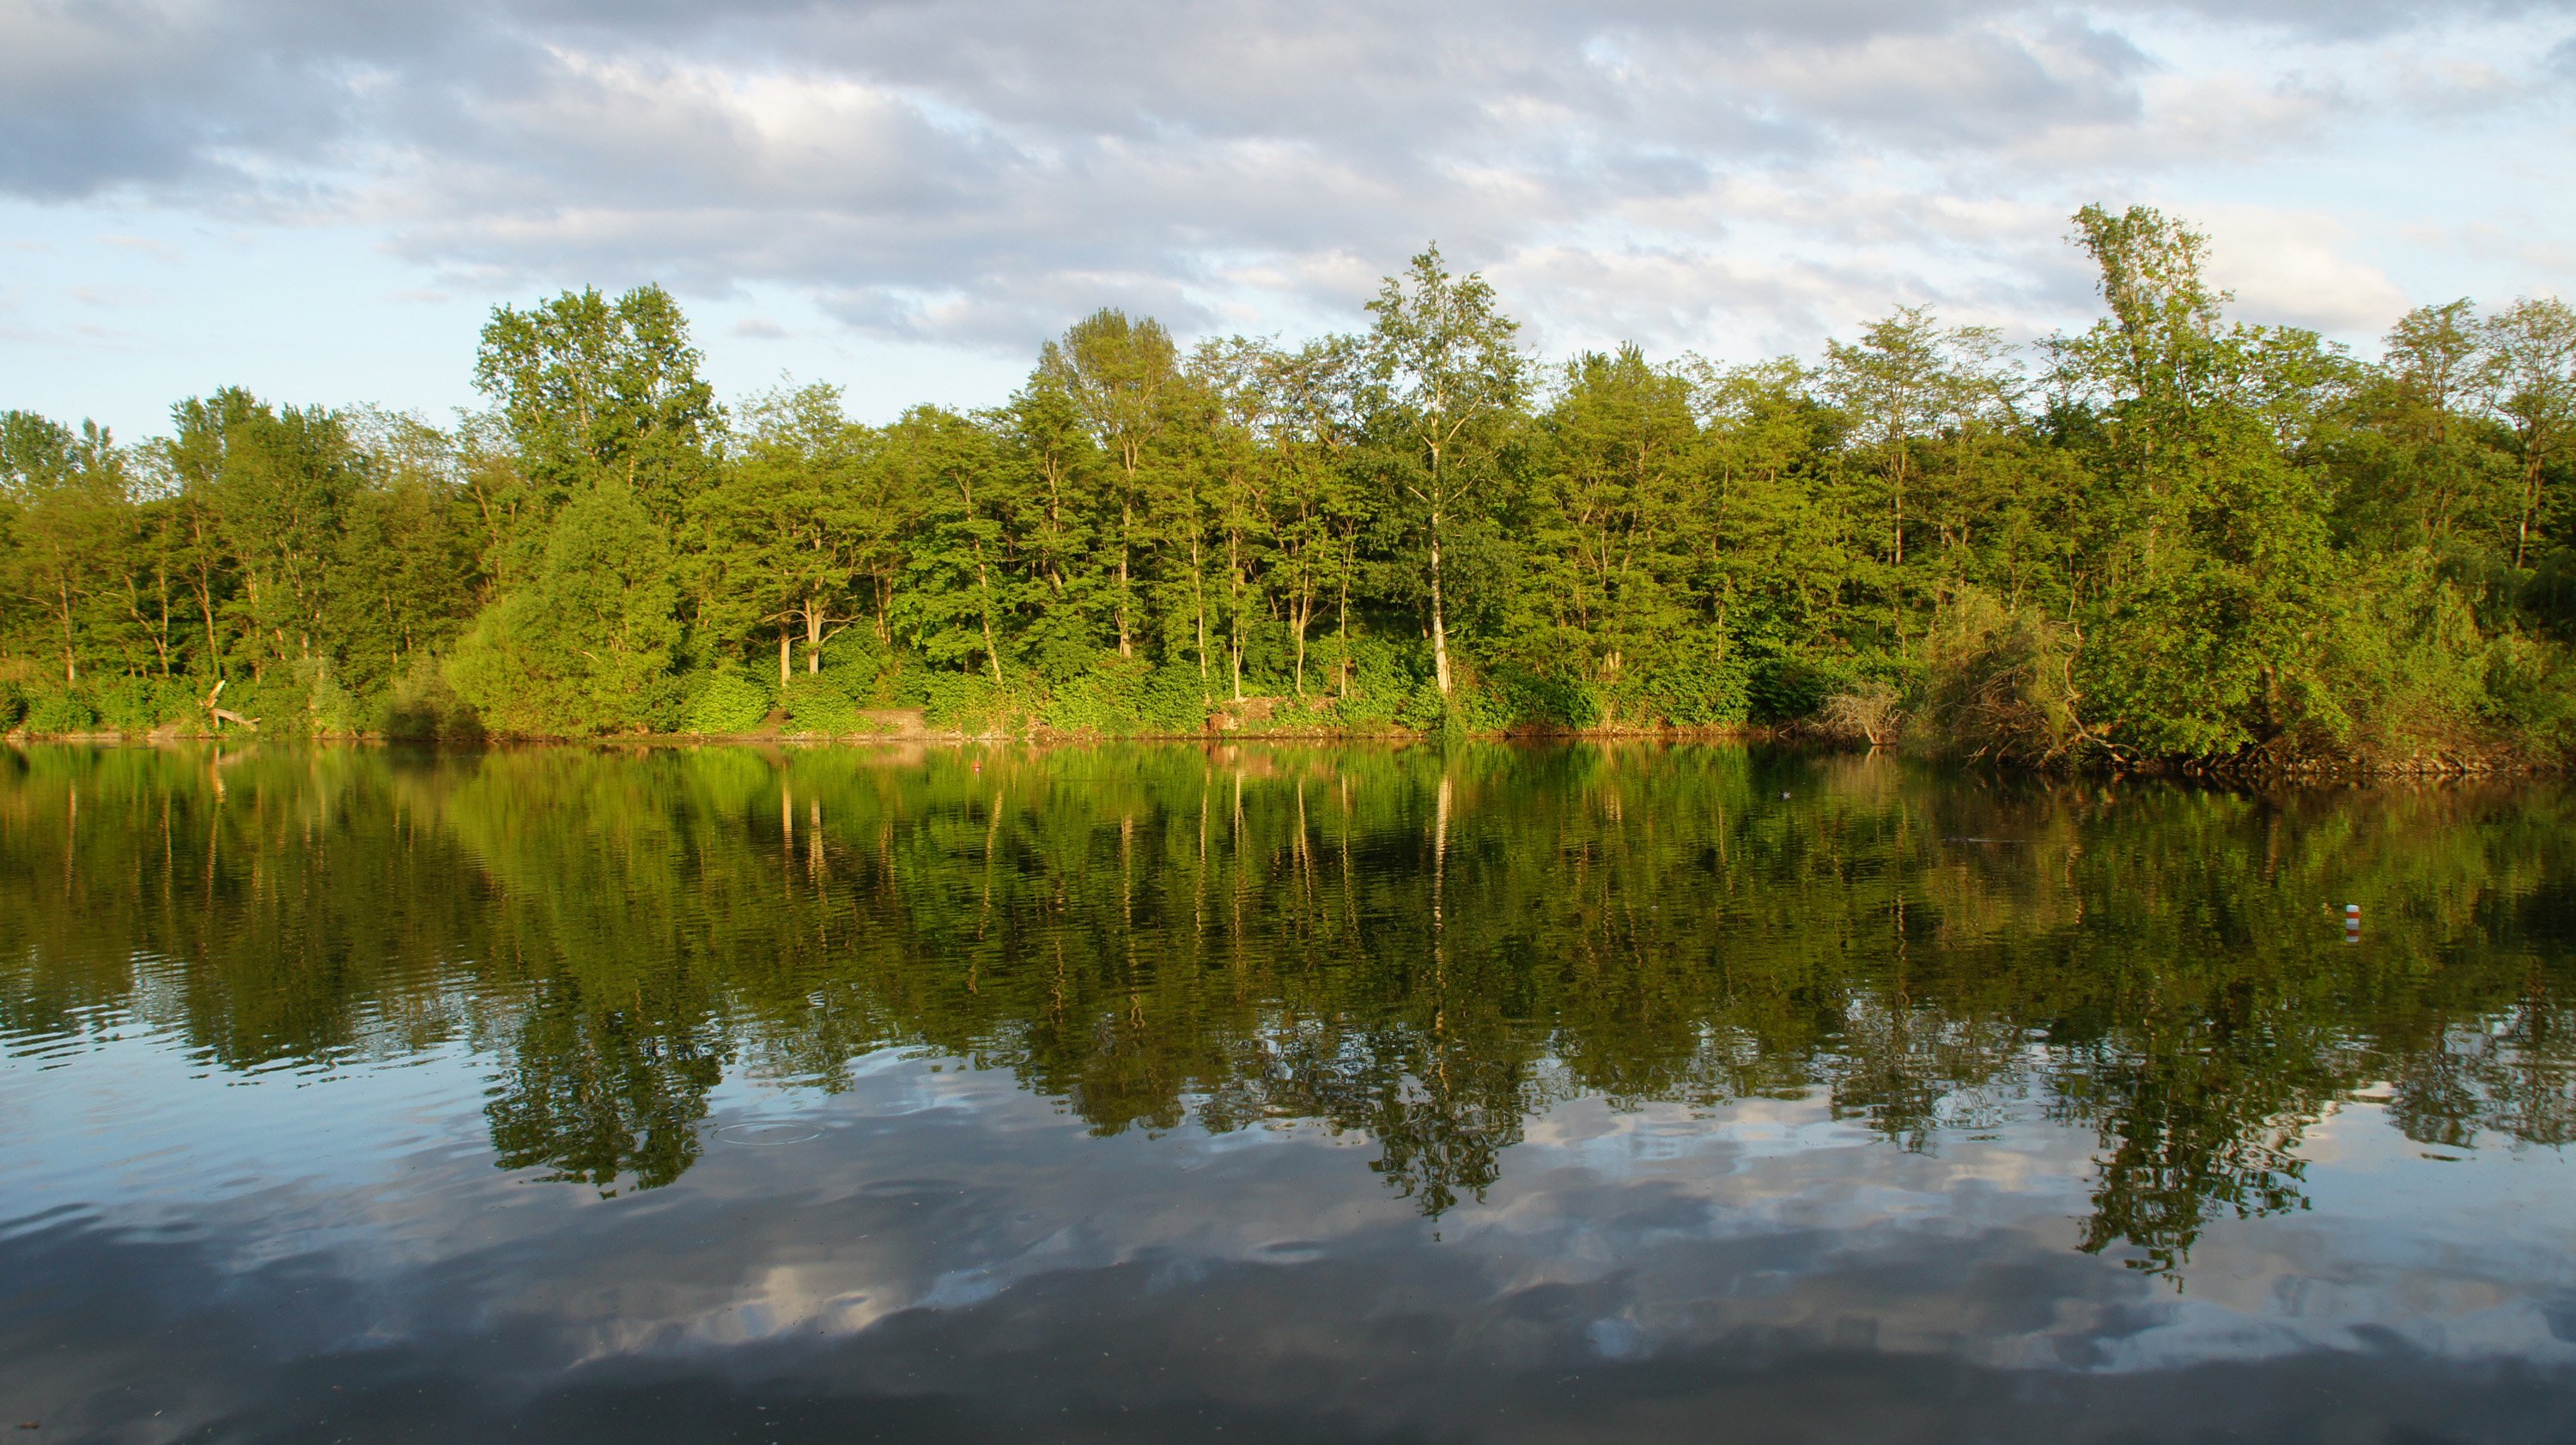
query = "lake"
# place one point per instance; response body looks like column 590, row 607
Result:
column 1274, row 1093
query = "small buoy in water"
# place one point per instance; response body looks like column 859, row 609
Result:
column 1784, row 797
column 2352, row 923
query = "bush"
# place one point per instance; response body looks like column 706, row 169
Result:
column 274, row 702
column 330, row 710
column 967, row 701
column 727, row 701
column 1425, row 710
column 1701, row 685
column 1126, row 697
column 1519, row 697
column 821, row 704
column 1387, row 679
column 140, row 704
column 51, row 714
column 13, row 705
column 1107, row 700
column 1866, row 714
column 2531, row 689
column 1997, row 683
column 422, row 708
column 1791, row 687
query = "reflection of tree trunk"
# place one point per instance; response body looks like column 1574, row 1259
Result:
column 814, row 857
column 1440, row 864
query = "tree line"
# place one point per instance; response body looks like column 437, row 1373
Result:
column 2172, row 535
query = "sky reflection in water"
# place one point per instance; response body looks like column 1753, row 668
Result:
column 1558, row 1093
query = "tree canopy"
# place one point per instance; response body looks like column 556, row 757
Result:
column 2171, row 536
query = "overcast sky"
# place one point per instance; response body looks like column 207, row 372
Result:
column 320, row 199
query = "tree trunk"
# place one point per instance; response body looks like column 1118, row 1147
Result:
column 814, row 635
column 1303, row 614
column 1126, row 522
column 1234, row 602
column 785, row 651
column 992, row 646
column 1198, row 601
column 71, row 661
column 1439, row 618
column 1342, row 623
column 2531, row 482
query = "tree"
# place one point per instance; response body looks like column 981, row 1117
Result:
column 1055, row 468
column 1123, row 376
column 1449, row 381
column 1607, row 545
column 2530, row 376
column 69, row 490
column 276, row 484
column 587, row 646
column 790, row 517
column 2420, row 454
column 1312, row 511
column 2213, row 562
column 1921, row 396
column 959, row 609
column 591, row 387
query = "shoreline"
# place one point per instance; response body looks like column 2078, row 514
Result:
column 2232, row 771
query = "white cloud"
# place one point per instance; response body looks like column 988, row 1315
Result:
column 1759, row 172
column 2292, row 268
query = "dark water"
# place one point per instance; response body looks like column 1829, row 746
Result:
column 1287, row 1094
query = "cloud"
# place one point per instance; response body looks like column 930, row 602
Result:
column 979, row 174
column 2291, row 268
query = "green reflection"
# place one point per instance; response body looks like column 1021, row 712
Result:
column 1428, row 947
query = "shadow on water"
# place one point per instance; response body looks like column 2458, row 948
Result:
column 1426, row 950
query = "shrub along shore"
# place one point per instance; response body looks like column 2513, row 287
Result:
column 2172, row 541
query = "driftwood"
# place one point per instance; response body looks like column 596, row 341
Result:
column 223, row 715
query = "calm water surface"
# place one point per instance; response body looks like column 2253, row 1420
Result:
column 1280, row 1094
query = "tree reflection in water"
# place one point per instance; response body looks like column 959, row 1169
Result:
column 1428, row 948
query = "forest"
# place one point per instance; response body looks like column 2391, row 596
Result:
column 2174, row 538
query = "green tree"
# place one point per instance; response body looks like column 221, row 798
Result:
column 792, row 533
column 1610, row 545
column 587, row 646
column 69, row 493
column 1450, row 382
column 591, row 387
column 1124, row 377
column 2530, row 374
column 964, row 595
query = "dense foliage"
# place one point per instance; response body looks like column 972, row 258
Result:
column 2171, row 536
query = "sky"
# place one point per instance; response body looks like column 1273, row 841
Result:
column 322, row 200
